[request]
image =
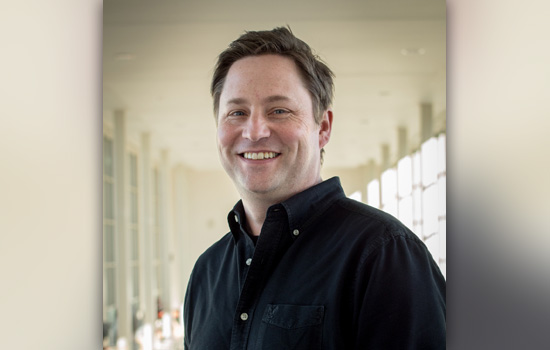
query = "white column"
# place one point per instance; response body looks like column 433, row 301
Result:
column 402, row 142
column 426, row 121
column 372, row 171
column 165, row 228
column 146, row 231
column 124, row 309
column 386, row 161
column 180, row 218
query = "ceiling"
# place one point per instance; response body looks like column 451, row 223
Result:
column 158, row 58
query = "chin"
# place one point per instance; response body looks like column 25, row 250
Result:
column 258, row 188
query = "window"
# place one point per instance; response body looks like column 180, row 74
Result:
column 356, row 196
column 404, row 191
column 415, row 193
column 389, row 191
column 430, row 212
column 442, row 201
column 373, row 193
column 109, row 239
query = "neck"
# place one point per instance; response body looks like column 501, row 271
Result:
column 255, row 208
column 255, row 216
column 256, row 205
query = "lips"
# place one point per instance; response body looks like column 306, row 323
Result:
column 259, row 155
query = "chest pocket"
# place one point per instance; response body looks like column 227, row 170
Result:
column 291, row 327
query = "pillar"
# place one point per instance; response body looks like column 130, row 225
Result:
column 165, row 228
column 402, row 142
column 386, row 161
column 426, row 121
column 146, row 230
column 124, row 309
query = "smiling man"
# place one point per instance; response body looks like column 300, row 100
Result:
column 302, row 267
column 268, row 138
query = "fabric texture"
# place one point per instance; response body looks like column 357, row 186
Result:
column 327, row 272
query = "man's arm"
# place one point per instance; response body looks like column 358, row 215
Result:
column 401, row 298
column 186, row 315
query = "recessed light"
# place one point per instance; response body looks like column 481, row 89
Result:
column 125, row 56
column 411, row 51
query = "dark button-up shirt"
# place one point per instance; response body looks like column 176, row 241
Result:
column 327, row 272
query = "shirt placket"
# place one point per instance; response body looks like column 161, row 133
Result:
column 262, row 262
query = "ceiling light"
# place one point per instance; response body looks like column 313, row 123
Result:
column 411, row 51
column 124, row 56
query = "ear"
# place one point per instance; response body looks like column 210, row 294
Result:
column 325, row 127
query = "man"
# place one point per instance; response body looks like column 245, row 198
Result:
column 302, row 267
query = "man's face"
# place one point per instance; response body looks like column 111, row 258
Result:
column 268, row 140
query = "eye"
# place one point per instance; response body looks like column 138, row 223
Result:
column 279, row 111
column 236, row 114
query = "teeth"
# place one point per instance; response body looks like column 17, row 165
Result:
column 260, row 155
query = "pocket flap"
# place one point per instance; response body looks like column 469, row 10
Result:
column 293, row 316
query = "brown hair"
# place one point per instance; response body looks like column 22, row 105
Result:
column 316, row 75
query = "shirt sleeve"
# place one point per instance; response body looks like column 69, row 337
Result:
column 187, row 314
column 400, row 294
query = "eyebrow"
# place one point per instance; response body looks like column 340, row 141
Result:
column 269, row 99
column 277, row 98
column 236, row 101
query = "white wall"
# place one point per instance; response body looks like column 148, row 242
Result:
column 210, row 195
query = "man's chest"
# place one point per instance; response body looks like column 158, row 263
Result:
column 288, row 306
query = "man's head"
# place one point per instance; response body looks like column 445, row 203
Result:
column 316, row 76
column 271, row 126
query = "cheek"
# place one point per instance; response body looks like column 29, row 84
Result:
column 225, row 135
column 292, row 133
column 303, row 136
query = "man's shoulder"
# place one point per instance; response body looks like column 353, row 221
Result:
column 373, row 221
column 377, row 232
column 362, row 211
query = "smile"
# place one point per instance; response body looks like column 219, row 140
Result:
column 259, row 155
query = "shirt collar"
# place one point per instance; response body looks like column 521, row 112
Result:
column 306, row 206
column 301, row 209
column 235, row 219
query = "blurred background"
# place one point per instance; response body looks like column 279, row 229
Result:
column 165, row 194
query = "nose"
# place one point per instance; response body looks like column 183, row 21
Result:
column 256, row 127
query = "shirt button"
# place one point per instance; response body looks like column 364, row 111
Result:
column 248, row 261
column 244, row 316
column 236, row 218
column 295, row 232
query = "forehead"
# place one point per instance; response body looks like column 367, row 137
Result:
column 265, row 74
